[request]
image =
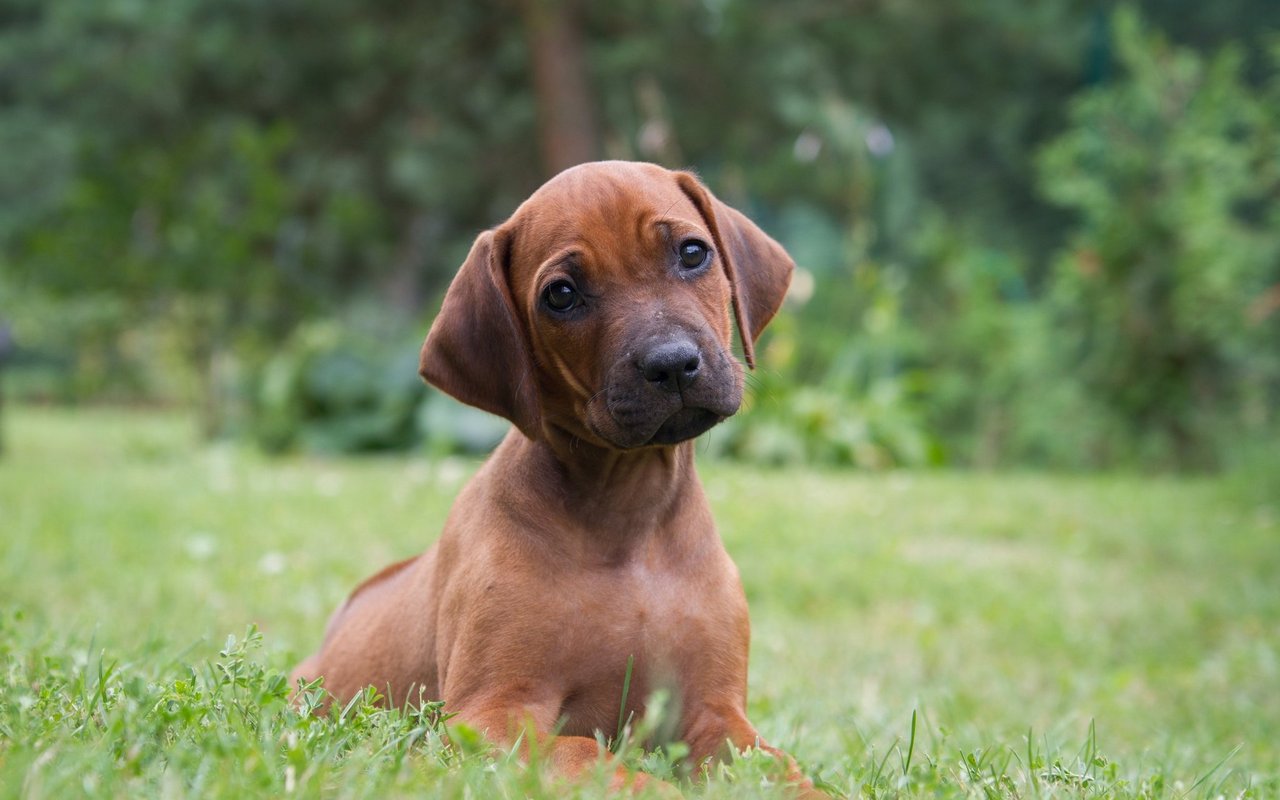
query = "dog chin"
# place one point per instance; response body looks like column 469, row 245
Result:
column 635, row 428
column 685, row 424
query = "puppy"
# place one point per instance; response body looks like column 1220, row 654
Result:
column 597, row 319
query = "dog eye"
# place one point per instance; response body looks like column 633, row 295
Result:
column 693, row 254
column 560, row 296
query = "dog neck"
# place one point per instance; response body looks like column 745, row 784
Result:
column 612, row 494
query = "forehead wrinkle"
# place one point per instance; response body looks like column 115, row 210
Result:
column 607, row 221
column 615, row 248
column 563, row 259
column 680, row 225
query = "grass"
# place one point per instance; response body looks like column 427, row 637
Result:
column 915, row 635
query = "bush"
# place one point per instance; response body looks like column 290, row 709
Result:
column 332, row 390
column 1158, row 305
column 832, row 387
column 335, row 388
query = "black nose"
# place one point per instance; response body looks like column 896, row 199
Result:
column 671, row 366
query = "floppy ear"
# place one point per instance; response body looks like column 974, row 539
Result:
column 759, row 270
column 476, row 349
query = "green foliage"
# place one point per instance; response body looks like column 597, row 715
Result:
column 977, row 350
column 340, row 388
column 330, row 389
column 249, row 148
column 230, row 170
column 835, row 400
column 1068, row 263
column 1158, row 303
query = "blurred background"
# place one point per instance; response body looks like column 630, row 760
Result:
column 1030, row 234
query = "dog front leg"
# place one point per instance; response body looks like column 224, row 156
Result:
column 712, row 732
column 570, row 757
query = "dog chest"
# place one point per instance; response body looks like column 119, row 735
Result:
column 683, row 633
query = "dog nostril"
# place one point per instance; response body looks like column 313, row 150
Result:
column 671, row 366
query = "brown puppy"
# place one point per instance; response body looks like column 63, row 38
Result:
column 597, row 320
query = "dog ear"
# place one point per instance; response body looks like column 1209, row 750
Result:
column 759, row 270
column 476, row 349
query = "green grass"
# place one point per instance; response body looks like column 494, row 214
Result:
column 915, row 635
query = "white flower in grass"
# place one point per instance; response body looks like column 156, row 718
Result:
column 272, row 563
column 201, row 546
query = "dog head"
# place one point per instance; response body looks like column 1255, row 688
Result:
column 601, row 308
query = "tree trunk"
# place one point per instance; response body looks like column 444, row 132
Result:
column 566, row 111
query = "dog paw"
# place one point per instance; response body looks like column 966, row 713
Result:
column 640, row 784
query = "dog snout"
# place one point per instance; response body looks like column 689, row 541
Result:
column 672, row 366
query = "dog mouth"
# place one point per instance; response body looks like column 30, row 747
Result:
column 685, row 424
column 633, row 412
column 635, row 428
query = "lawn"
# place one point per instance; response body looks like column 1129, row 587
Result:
column 1042, row 635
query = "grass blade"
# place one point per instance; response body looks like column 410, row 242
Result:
column 622, row 708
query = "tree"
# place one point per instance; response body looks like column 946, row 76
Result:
column 566, row 110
